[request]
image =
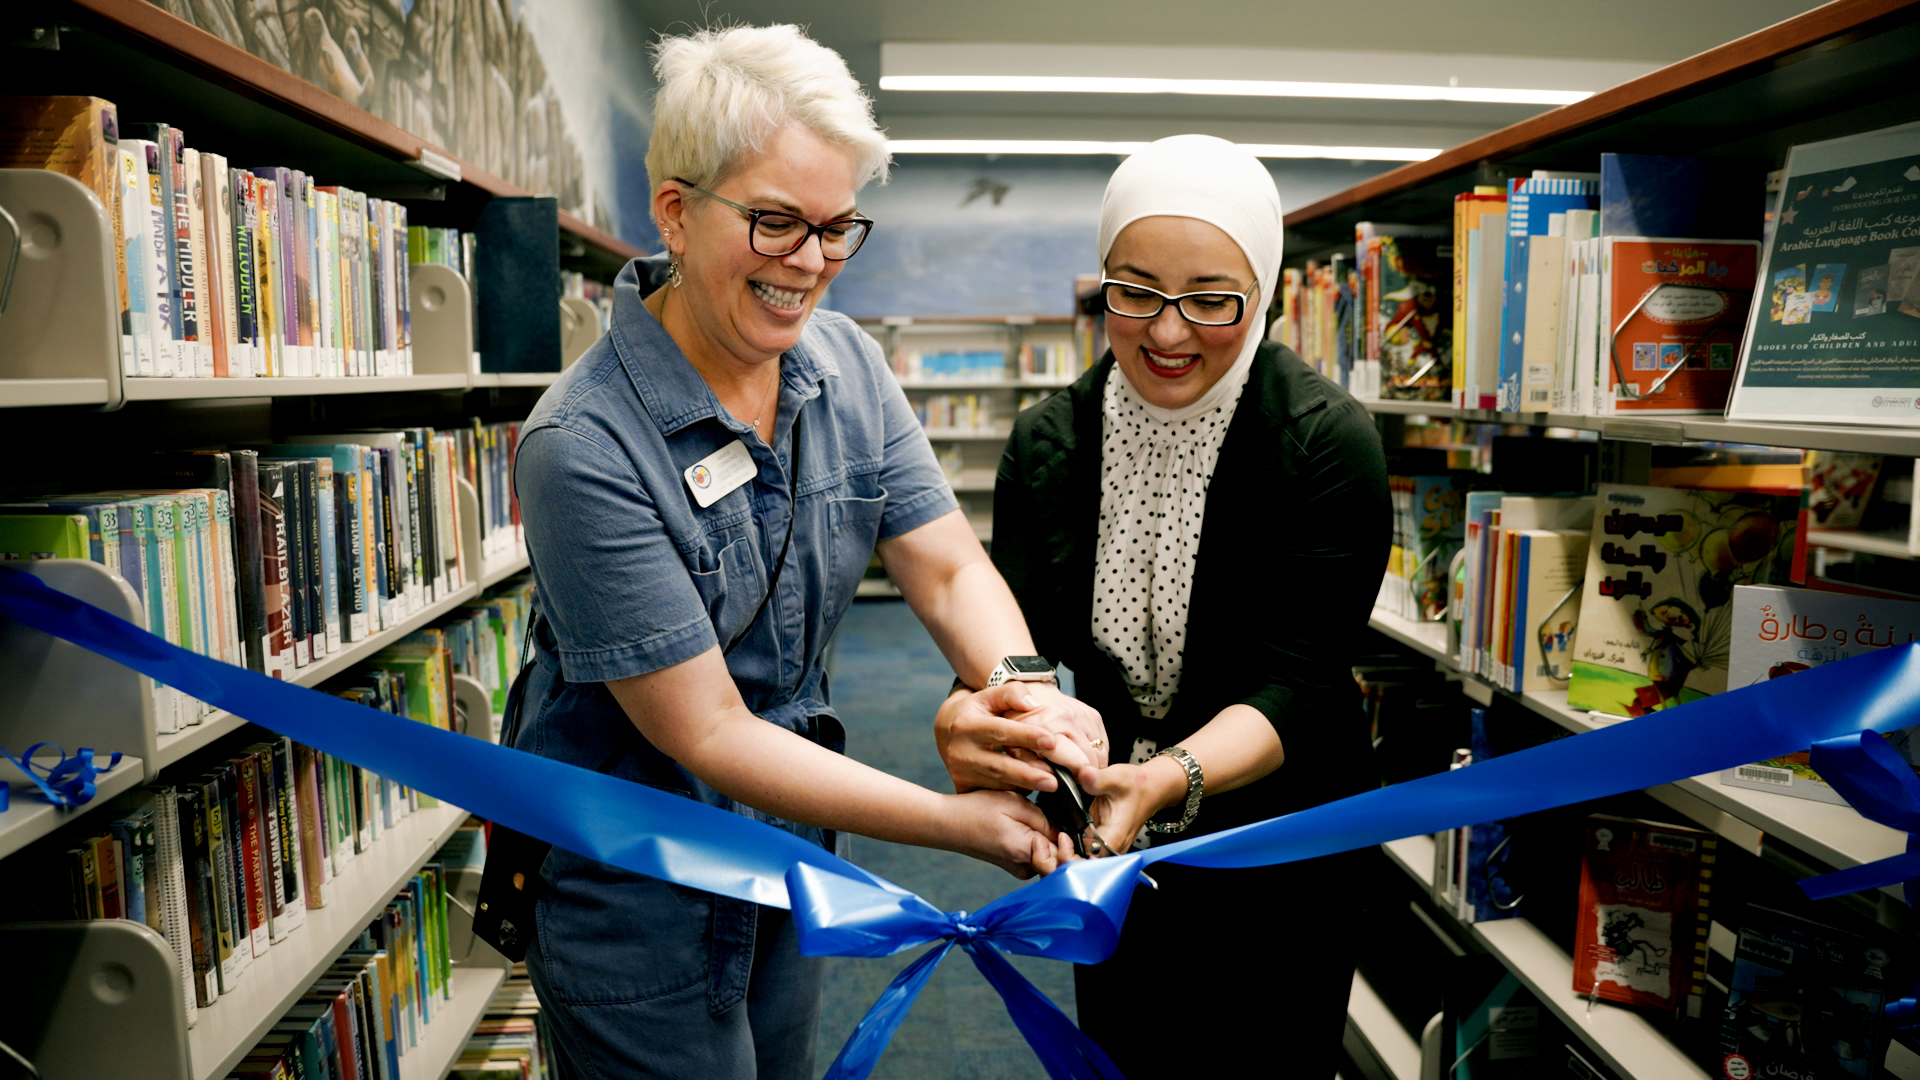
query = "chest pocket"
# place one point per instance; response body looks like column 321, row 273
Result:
column 731, row 590
column 853, row 524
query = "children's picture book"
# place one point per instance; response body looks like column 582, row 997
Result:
column 1826, row 282
column 1641, row 909
column 1414, row 315
column 1656, row 606
column 1806, row 1000
column 1844, row 350
column 1778, row 632
column 1787, row 281
column 1666, row 305
column 1839, row 484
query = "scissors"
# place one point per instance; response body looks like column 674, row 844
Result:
column 1070, row 810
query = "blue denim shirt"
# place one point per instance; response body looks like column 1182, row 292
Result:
column 634, row 576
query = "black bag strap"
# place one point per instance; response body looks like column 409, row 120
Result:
column 779, row 564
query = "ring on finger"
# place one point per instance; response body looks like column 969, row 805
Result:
column 1097, row 743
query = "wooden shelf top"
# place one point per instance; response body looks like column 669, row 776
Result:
column 196, row 52
column 1825, row 34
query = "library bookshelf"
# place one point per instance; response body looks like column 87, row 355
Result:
column 1797, row 81
column 970, row 452
column 108, row 1001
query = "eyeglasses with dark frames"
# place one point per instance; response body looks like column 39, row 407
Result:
column 776, row 233
column 1137, row 301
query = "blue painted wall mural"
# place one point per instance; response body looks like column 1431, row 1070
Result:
column 968, row 235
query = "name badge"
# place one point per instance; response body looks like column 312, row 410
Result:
column 713, row 476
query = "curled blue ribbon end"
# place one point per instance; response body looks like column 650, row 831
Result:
column 71, row 781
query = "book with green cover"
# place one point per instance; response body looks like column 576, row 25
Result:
column 43, row 536
column 1656, row 610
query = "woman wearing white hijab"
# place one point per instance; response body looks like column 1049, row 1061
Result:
column 1196, row 528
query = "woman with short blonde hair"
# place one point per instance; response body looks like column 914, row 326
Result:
column 702, row 492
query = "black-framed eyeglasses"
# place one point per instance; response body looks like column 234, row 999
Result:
column 776, row 233
column 1200, row 308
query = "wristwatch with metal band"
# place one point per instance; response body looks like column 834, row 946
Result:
column 1021, row 669
column 1196, row 787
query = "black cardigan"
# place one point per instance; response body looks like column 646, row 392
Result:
column 1291, row 553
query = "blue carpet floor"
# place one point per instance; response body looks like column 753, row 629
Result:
column 887, row 680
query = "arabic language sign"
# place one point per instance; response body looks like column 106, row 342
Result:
column 1836, row 325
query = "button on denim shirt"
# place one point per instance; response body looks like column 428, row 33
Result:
column 634, row 576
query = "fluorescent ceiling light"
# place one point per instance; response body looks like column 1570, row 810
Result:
column 1072, row 146
column 1083, row 84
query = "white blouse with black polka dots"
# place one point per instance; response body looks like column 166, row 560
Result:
column 1154, row 474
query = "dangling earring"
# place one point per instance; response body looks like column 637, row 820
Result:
column 674, row 277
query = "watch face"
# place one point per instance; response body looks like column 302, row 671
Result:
column 1028, row 665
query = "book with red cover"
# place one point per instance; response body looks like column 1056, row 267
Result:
column 1641, row 937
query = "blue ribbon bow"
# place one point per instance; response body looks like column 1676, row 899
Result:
column 1074, row 914
column 71, row 781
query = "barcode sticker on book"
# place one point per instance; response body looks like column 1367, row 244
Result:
column 1762, row 774
column 1538, row 397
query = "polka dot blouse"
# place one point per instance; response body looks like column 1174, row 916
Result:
column 1154, row 475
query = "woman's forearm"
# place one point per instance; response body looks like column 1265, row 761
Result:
column 1234, row 749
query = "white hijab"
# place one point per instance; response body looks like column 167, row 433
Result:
column 1156, row 464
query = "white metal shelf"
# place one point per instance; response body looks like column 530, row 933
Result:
column 29, row 816
column 1428, row 639
column 1857, row 438
column 512, row 378
column 443, row 1039
column 148, row 389
column 1835, row 835
column 1370, row 1016
column 1892, row 542
column 972, row 480
column 917, row 386
column 179, row 744
column 494, row 572
column 227, row 1029
column 877, row 587
column 1631, row 1046
column 988, row 434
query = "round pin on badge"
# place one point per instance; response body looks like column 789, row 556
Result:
column 702, row 477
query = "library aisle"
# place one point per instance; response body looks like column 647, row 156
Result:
column 888, row 678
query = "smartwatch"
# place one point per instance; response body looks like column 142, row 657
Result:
column 1021, row 669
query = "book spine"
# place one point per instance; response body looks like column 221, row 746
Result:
column 271, row 854
column 352, row 540
column 185, row 269
column 253, row 864
column 273, row 561
column 166, row 310
column 175, row 923
column 197, row 869
column 216, row 266
column 136, row 228
column 292, row 849
column 293, row 507
column 311, row 529
column 329, row 555
column 206, row 306
column 228, row 939
column 314, row 868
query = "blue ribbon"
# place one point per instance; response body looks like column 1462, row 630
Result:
column 1871, row 775
column 71, row 781
column 1075, row 914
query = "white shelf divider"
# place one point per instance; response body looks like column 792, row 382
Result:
column 443, row 1039
column 228, row 1028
